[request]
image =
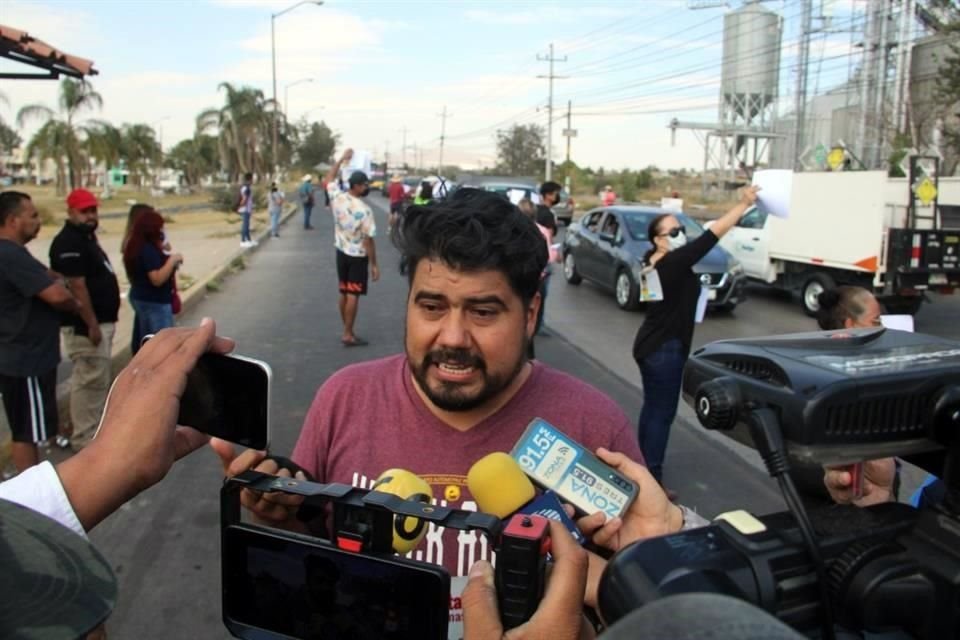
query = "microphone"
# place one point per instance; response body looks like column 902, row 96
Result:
column 500, row 487
column 694, row 616
column 407, row 530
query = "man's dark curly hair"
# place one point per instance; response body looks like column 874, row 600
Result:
column 474, row 230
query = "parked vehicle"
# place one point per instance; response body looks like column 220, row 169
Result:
column 563, row 210
column 854, row 228
column 606, row 246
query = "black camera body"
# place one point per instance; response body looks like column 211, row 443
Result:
column 348, row 582
column 833, row 397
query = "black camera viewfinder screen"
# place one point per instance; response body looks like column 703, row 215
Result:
column 313, row 590
column 228, row 397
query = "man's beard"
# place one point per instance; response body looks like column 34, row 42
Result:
column 451, row 396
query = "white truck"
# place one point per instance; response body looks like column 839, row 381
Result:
column 861, row 228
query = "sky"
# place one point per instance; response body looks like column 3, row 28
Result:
column 377, row 68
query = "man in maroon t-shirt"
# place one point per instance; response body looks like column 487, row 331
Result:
column 463, row 389
column 397, row 193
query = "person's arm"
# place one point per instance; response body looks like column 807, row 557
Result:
column 335, row 169
column 78, row 287
column 60, row 298
column 371, row 248
column 138, row 439
column 158, row 277
column 723, row 224
column 878, row 480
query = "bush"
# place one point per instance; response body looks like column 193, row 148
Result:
column 225, row 198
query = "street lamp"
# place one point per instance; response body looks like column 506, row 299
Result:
column 159, row 130
column 273, row 57
column 286, row 94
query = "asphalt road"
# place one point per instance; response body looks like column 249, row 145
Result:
column 164, row 545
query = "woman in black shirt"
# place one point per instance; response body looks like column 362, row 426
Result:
column 663, row 342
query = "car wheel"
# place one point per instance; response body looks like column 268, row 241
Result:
column 726, row 307
column 817, row 284
column 570, row 269
column 628, row 298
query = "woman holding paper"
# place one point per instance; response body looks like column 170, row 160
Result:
column 663, row 342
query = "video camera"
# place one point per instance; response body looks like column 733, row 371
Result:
column 349, row 583
column 828, row 398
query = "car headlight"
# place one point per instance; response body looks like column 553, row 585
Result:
column 736, row 269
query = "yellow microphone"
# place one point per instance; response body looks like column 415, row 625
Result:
column 498, row 485
column 407, row 530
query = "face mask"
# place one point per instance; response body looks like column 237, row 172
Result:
column 679, row 241
column 365, row 192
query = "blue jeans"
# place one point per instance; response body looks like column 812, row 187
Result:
column 544, row 287
column 275, row 222
column 149, row 318
column 307, row 211
column 662, row 374
column 245, row 227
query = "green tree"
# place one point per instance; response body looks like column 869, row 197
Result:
column 244, row 126
column 316, row 145
column 9, row 139
column 140, row 150
column 103, row 144
column 520, row 150
column 644, row 179
column 196, row 157
column 76, row 96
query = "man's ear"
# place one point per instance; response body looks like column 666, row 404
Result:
column 532, row 310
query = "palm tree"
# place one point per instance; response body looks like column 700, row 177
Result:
column 76, row 96
column 141, row 150
column 243, row 125
column 48, row 143
column 103, row 143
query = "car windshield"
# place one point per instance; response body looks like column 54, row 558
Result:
column 412, row 182
column 638, row 221
column 504, row 189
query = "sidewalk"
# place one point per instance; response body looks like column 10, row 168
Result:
column 211, row 251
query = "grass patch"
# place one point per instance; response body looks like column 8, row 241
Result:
column 185, row 281
column 213, row 286
column 238, row 264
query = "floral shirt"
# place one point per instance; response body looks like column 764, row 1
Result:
column 353, row 221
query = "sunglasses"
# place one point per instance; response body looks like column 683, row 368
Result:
column 673, row 233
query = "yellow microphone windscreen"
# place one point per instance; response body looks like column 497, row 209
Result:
column 498, row 484
column 407, row 530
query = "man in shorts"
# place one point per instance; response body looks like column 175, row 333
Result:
column 354, row 230
column 397, row 194
column 30, row 298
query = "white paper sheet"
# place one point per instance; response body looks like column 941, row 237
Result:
column 776, row 186
column 898, row 322
column 650, row 288
column 516, row 195
column 702, row 304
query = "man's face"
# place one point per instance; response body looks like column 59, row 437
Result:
column 27, row 222
column 87, row 217
column 552, row 198
column 466, row 334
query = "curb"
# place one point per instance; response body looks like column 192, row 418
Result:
column 120, row 357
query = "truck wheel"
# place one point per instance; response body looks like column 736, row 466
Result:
column 628, row 298
column 903, row 306
column 817, row 284
column 570, row 269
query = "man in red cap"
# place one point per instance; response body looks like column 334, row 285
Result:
column 87, row 335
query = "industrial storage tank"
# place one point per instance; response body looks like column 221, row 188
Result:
column 751, row 62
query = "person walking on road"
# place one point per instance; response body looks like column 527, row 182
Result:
column 30, row 297
column 275, row 205
column 245, row 209
column 151, row 274
column 88, row 336
column 397, row 194
column 305, row 194
column 354, row 230
column 549, row 197
column 424, row 194
column 662, row 343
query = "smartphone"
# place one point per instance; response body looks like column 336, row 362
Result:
column 560, row 464
column 286, row 585
column 228, row 397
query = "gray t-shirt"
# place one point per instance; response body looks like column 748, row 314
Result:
column 29, row 327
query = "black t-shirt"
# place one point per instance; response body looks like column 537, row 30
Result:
column 674, row 316
column 546, row 218
column 75, row 253
column 150, row 259
column 29, row 327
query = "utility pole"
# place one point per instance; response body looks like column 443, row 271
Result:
column 443, row 132
column 386, row 159
column 403, row 147
column 550, row 77
column 569, row 132
column 806, row 28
